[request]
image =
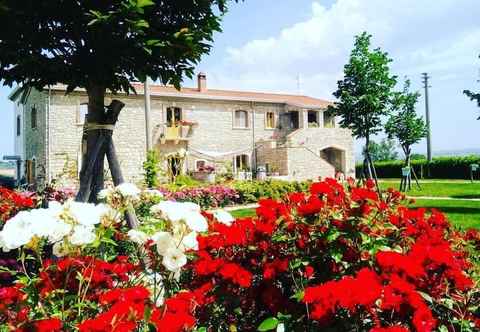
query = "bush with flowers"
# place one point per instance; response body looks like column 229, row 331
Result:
column 335, row 259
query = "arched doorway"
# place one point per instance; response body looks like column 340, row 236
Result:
column 335, row 157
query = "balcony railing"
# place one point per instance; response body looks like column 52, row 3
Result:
column 173, row 132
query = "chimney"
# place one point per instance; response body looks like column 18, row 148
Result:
column 202, row 82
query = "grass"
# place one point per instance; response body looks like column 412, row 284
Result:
column 462, row 213
column 243, row 213
column 454, row 189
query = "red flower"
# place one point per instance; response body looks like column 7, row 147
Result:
column 48, row 325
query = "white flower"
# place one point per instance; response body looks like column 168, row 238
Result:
column 190, row 206
column 59, row 249
column 138, row 237
column 153, row 193
column 190, row 242
column 224, row 217
column 196, row 222
column 164, row 241
column 174, row 259
column 128, row 190
column 17, row 231
column 82, row 235
column 59, row 231
column 104, row 193
column 86, row 213
column 280, row 327
column 42, row 222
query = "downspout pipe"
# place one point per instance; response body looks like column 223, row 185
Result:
column 47, row 137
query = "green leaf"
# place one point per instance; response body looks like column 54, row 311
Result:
column 144, row 3
column 202, row 329
column 268, row 324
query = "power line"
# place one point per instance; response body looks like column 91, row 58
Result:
column 425, row 78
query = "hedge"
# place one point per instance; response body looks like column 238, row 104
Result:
column 439, row 168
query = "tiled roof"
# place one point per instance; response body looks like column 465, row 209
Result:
column 294, row 100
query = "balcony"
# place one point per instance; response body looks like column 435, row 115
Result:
column 173, row 133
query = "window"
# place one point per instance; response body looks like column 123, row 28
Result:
column 312, row 119
column 328, row 120
column 270, row 120
column 200, row 164
column 241, row 163
column 33, row 114
column 82, row 113
column 174, row 116
column 19, row 125
column 241, row 119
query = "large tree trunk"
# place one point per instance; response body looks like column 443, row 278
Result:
column 96, row 144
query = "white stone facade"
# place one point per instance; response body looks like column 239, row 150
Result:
column 212, row 139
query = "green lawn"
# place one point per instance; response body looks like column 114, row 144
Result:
column 463, row 213
column 243, row 213
column 455, row 189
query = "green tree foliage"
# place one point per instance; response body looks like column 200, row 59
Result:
column 474, row 96
column 102, row 46
column 364, row 93
column 151, row 169
column 404, row 125
column 383, row 151
column 417, row 156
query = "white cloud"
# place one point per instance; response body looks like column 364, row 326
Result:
column 438, row 36
column 433, row 35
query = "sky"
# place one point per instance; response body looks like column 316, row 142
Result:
column 266, row 45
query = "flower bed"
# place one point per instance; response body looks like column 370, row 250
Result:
column 334, row 259
column 207, row 197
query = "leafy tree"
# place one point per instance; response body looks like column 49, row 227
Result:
column 385, row 150
column 364, row 93
column 103, row 46
column 474, row 96
column 406, row 127
column 152, row 169
column 404, row 124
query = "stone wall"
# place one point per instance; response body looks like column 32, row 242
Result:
column 34, row 137
column 304, row 152
column 213, row 138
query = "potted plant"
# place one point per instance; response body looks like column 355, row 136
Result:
column 209, row 172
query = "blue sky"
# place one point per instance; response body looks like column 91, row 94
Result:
column 266, row 44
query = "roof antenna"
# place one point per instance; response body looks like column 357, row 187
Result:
column 299, row 84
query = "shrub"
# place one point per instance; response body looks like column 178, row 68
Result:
column 252, row 191
column 338, row 259
column 207, row 197
column 333, row 259
column 439, row 168
column 151, row 169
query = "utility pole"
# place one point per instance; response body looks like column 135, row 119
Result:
column 427, row 117
column 148, row 132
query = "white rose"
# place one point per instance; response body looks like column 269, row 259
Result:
column 59, row 249
column 196, row 222
column 138, row 237
column 59, row 231
column 169, row 210
column 128, row 190
column 153, row 193
column 86, row 213
column 224, row 217
column 164, row 241
column 82, row 235
column 42, row 222
column 104, row 193
column 280, row 327
column 174, row 259
column 190, row 206
column 190, row 242
column 17, row 231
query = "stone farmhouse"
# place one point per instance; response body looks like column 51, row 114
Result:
column 286, row 136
